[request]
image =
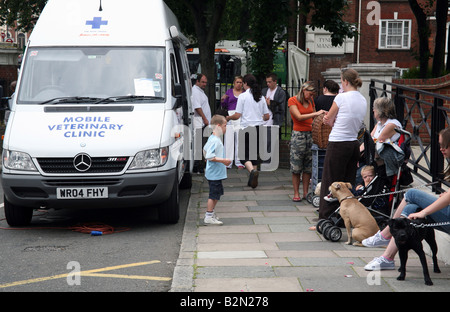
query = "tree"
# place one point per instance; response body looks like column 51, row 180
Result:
column 439, row 48
column 421, row 10
column 329, row 15
column 267, row 28
column 206, row 15
column 25, row 13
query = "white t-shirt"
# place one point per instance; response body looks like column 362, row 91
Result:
column 270, row 95
column 352, row 110
column 251, row 112
column 379, row 128
column 200, row 100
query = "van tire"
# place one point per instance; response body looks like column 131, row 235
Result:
column 169, row 211
column 186, row 181
column 16, row 215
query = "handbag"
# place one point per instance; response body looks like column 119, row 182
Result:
column 273, row 105
column 406, row 177
column 220, row 110
column 320, row 132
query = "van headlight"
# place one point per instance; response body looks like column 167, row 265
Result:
column 18, row 161
column 150, row 159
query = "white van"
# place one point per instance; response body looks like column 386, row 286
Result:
column 102, row 112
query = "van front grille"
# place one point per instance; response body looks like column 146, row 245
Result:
column 98, row 165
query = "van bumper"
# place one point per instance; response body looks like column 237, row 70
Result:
column 128, row 190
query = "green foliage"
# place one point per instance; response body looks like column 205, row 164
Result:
column 24, row 12
column 330, row 16
column 268, row 23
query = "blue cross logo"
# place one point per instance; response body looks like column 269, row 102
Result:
column 96, row 23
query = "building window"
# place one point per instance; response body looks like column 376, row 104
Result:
column 395, row 34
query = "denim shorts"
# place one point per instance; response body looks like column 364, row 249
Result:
column 215, row 189
column 418, row 199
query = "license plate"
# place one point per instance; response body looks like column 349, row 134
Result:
column 81, row 192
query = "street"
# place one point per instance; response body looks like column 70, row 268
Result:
column 52, row 255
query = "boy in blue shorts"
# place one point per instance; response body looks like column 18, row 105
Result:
column 216, row 170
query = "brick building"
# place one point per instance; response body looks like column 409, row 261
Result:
column 12, row 44
column 388, row 34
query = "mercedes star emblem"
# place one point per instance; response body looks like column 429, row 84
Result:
column 82, row 162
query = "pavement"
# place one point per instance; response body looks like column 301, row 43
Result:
column 265, row 245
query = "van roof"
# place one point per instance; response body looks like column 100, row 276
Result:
column 118, row 23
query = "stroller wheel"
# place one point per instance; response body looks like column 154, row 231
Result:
column 322, row 224
column 333, row 233
column 316, row 201
column 309, row 197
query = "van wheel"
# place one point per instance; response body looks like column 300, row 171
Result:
column 169, row 211
column 186, row 181
column 16, row 215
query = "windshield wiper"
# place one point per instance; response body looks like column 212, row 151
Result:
column 129, row 98
column 70, row 99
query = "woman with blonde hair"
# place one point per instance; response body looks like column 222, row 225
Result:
column 346, row 117
column 302, row 110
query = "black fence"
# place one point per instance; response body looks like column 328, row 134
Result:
column 423, row 114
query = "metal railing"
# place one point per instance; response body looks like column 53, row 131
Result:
column 423, row 114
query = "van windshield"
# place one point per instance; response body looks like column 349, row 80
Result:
column 93, row 74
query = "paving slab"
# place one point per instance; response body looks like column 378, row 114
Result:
column 265, row 245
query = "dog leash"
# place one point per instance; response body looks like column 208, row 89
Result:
column 424, row 225
column 393, row 193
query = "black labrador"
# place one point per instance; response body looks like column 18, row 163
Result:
column 408, row 235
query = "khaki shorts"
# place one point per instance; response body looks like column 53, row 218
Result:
column 300, row 152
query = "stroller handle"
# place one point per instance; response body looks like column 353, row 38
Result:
column 405, row 133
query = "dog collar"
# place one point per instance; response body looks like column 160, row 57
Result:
column 348, row 197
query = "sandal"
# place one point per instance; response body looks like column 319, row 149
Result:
column 296, row 199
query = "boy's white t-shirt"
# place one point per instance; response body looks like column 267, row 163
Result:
column 352, row 111
column 251, row 112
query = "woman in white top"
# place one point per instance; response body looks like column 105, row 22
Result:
column 384, row 113
column 384, row 132
column 253, row 111
column 346, row 117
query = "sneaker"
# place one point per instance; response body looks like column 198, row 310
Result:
column 212, row 221
column 329, row 198
column 253, row 179
column 376, row 240
column 380, row 263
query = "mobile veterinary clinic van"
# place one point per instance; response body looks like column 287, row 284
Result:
column 101, row 116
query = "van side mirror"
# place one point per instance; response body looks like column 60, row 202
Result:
column 178, row 94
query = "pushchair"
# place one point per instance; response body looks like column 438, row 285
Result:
column 372, row 197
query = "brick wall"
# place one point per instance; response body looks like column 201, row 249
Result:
column 439, row 85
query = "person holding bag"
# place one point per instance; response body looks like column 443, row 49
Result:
column 346, row 117
column 302, row 110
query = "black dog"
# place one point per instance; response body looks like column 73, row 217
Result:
column 407, row 236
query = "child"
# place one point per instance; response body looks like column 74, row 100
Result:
column 368, row 174
column 216, row 170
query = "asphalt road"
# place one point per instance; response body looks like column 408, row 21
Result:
column 49, row 256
